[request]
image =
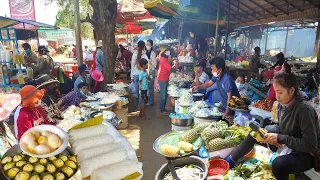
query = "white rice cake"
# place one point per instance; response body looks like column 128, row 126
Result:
column 98, row 150
column 116, row 171
column 81, row 133
column 89, row 165
column 85, row 143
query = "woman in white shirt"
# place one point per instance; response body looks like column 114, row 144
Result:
column 136, row 57
column 152, row 67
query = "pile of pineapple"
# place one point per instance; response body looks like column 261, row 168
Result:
column 218, row 135
column 24, row 167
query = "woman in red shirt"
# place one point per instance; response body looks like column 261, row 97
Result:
column 163, row 77
column 30, row 113
column 285, row 67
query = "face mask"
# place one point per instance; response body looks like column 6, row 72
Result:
column 148, row 48
column 88, row 76
column 38, row 104
column 27, row 51
column 239, row 86
column 167, row 53
column 215, row 74
column 82, row 93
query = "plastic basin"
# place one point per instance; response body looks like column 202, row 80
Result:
column 218, row 167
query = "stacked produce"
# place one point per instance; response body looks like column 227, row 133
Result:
column 24, row 167
column 239, row 103
column 186, row 98
column 74, row 112
column 176, row 144
column 250, row 171
column 40, row 142
column 245, row 64
column 100, row 156
column 219, row 136
column 173, row 91
column 178, row 80
column 265, row 104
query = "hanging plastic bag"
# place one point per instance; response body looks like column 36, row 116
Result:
column 133, row 90
column 241, row 120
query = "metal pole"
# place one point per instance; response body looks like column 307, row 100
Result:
column 227, row 33
column 217, row 28
column 265, row 46
column 285, row 45
column 78, row 32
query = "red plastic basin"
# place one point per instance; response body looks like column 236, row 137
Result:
column 218, row 167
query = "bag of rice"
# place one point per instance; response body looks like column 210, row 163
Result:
column 98, row 150
column 81, row 133
column 116, row 171
column 89, row 165
column 85, row 143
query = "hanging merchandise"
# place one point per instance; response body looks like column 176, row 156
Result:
column 20, row 77
column 30, row 73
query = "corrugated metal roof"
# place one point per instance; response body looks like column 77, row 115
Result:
column 8, row 22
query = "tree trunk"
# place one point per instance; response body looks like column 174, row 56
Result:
column 103, row 22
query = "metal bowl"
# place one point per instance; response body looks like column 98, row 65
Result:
column 181, row 122
column 17, row 150
column 180, row 162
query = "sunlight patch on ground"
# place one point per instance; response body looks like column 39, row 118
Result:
column 132, row 133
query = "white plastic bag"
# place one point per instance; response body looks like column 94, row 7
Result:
column 133, row 90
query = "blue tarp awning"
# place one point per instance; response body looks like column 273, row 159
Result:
column 8, row 22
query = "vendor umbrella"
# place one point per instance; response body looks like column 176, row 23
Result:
column 133, row 29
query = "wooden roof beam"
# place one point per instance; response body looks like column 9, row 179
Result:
column 237, row 17
column 314, row 4
column 244, row 11
column 265, row 9
column 250, row 8
column 291, row 4
column 277, row 6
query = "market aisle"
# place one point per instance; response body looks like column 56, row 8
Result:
column 142, row 133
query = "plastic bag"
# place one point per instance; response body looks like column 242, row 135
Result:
column 241, row 120
column 133, row 90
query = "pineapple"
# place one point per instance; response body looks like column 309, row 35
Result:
column 187, row 147
column 190, row 135
column 170, row 150
column 210, row 133
column 219, row 143
column 201, row 126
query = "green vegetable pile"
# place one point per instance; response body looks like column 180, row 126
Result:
column 255, row 171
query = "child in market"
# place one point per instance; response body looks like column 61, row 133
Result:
column 143, row 87
column 72, row 98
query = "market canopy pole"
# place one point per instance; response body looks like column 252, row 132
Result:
column 78, row 32
column 317, row 45
column 227, row 31
column 217, row 28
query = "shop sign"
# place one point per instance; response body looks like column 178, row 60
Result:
column 22, row 9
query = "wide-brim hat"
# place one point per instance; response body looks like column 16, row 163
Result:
column 8, row 103
column 44, row 79
column 97, row 75
column 30, row 96
column 43, row 48
column 99, row 44
column 163, row 48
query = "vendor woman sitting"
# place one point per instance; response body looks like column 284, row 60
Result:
column 72, row 98
column 29, row 113
column 298, row 130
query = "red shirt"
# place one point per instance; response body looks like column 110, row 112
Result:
column 30, row 117
column 164, row 70
column 272, row 93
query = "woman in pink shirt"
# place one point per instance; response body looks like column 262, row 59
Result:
column 163, row 77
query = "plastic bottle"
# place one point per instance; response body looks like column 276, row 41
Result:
column 20, row 77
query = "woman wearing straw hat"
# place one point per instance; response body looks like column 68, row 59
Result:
column 30, row 114
column 50, row 98
column 8, row 103
column 163, row 77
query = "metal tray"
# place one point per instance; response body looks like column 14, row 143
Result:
column 156, row 145
column 239, row 110
column 17, row 150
